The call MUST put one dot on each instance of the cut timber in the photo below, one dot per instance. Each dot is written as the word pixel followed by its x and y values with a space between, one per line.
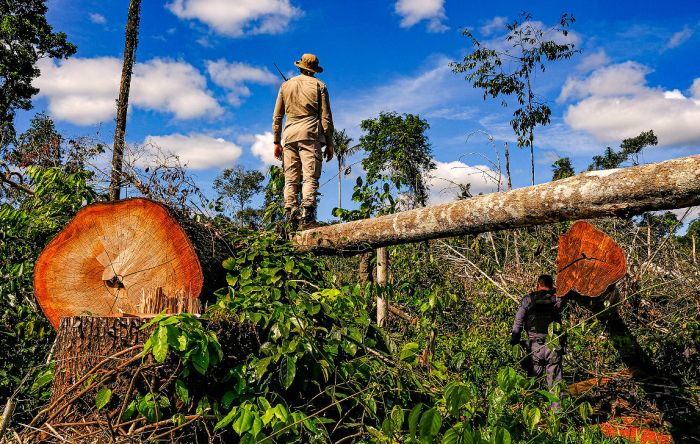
pixel 658 186
pixel 588 262
pixel 582 387
pixel 130 257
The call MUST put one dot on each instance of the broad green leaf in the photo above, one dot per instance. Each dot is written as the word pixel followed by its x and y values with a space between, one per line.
pixel 430 423
pixel 288 369
pixel 397 417
pixel 457 395
pixel 532 417
pixel 160 344
pixel 409 351
pixel 501 436
pixel 226 420
pixel 413 419
pixel 42 380
pixel 129 411
pixel 103 397
pixel 244 422
pixel 227 399
pixel 200 360
pixel 181 390
pixel 229 264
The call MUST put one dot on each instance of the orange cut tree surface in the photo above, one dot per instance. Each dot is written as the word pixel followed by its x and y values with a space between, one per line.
pixel 111 255
pixel 588 262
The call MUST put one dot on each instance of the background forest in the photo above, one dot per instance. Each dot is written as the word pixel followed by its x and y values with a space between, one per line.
pixel 439 370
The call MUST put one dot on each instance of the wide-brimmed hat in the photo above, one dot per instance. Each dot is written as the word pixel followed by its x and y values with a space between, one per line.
pixel 309 62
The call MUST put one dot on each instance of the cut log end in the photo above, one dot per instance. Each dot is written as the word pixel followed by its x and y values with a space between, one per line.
pixel 129 257
pixel 588 262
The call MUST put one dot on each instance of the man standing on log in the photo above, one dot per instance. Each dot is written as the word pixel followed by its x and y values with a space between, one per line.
pixel 308 127
pixel 537 311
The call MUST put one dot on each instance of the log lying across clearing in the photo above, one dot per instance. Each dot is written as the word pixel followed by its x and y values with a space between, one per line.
pixel 659 186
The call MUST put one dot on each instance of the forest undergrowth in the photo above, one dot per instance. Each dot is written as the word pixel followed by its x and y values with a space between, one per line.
pixel 322 371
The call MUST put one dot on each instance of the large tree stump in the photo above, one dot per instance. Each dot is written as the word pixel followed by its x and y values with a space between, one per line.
pixel 94 354
pixel 130 257
pixel 85 342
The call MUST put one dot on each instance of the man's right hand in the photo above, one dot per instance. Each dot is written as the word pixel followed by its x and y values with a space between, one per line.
pixel 278 151
pixel 514 338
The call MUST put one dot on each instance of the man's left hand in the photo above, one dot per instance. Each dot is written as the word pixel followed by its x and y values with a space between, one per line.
pixel 329 153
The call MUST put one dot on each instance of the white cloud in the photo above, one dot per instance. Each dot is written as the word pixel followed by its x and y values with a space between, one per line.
pixel 83 91
pixel 263 149
pixel 679 38
pixel 617 80
pixel 494 24
pixel 695 88
pixel 176 87
pixel 234 76
pixel 197 151
pixel 414 11
pixel 593 61
pixel 445 179
pixel 97 18
pixel 237 18
pixel 424 94
pixel 616 103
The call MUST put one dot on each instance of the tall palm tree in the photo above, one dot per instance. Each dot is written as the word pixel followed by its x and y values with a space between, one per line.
pixel 343 150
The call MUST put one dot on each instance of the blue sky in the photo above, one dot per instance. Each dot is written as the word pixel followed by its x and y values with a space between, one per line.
pixel 205 84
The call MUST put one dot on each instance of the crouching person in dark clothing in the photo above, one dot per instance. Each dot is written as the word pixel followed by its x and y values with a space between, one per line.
pixel 537 311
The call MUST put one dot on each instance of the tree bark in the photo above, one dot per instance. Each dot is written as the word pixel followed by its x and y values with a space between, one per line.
pixel 99 353
pixel 621 192
pixel 382 274
pixel 131 41
pixel 510 185
pixel 340 177
pixel 129 257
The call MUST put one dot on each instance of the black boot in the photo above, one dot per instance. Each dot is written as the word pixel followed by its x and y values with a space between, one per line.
pixel 292 218
pixel 308 218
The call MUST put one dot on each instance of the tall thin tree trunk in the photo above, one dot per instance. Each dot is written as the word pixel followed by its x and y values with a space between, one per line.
pixel 382 274
pixel 340 196
pixel 532 128
pixel 131 41
pixel 695 258
pixel 510 185
pixel 532 161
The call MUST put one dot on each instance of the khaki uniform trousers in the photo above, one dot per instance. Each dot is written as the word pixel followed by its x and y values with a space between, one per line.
pixel 302 160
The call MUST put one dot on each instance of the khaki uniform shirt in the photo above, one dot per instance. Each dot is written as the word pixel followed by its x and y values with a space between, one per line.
pixel 304 99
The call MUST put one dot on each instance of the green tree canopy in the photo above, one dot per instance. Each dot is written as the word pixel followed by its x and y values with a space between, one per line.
pixel 25 37
pixel 511 71
pixel 629 150
pixel 399 152
pixel 236 187
pixel 561 169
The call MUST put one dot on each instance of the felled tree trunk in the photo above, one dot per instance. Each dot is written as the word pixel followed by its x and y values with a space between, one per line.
pixel 626 191
pixel 133 257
